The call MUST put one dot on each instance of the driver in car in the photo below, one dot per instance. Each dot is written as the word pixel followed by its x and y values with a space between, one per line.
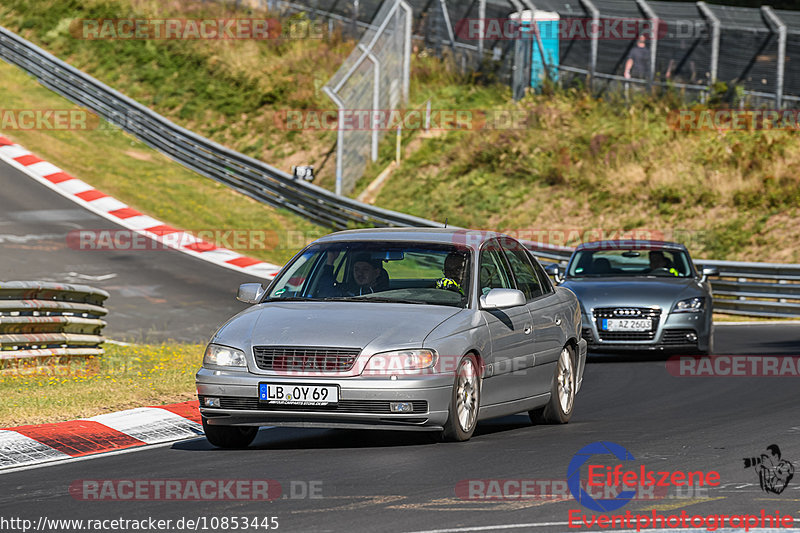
pixel 659 262
pixel 368 277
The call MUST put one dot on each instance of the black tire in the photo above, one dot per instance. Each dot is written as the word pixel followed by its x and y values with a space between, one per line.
pixel 465 401
pixel 562 392
pixel 230 437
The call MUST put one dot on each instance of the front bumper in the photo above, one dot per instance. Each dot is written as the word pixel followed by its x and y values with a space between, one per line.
pixel 679 332
pixel 363 402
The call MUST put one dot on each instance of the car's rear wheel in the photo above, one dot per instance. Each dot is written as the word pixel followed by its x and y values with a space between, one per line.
pixel 562 394
pixel 465 402
pixel 229 436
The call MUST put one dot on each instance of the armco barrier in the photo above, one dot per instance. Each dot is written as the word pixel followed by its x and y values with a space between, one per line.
pixel 40 319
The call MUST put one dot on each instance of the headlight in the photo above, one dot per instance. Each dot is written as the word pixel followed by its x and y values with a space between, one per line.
pixel 692 305
pixel 217 355
pixel 400 361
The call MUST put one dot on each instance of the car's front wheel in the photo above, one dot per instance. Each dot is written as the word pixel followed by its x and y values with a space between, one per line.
pixel 465 401
pixel 562 394
pixel 229 436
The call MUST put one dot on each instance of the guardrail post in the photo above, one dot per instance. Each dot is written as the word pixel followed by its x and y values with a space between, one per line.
pixel 590 7
pixel 713 21
pixel 776 24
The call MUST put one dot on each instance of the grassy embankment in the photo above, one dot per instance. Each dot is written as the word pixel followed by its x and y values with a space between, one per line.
pixel 125 377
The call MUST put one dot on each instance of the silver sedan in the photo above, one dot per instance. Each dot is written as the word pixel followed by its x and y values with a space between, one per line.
pixel 416 329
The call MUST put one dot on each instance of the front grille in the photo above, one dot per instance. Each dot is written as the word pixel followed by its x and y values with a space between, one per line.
pixel 305 358
pixel 627 312
pixel 677 336
pixel 586 334
pixel 380 407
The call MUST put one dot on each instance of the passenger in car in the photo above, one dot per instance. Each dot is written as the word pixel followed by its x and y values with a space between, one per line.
pixel 453 271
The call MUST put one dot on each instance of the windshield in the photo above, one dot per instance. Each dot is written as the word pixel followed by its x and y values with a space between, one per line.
pixel 377 272
pixel 630 262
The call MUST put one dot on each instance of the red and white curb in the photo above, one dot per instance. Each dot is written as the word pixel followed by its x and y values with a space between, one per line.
pixel 100 203
pixel 30 445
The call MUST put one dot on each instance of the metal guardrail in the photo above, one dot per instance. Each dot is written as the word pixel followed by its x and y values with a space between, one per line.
pixel 247 175
pixel 769 290
pixel 40 319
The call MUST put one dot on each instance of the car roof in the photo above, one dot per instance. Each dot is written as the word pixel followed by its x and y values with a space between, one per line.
pixel 458 236
pixel 623 244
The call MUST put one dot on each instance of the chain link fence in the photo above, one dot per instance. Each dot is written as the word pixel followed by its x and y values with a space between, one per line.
pixel 692 45
pixel 371 82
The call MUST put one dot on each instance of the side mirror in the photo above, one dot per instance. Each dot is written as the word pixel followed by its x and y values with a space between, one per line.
pixel 250 293
pixel 709 271
pixel 501 298
pixel 554 269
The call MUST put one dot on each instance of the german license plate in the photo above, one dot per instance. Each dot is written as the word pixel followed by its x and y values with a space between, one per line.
pixel 291 394
pixel 627 324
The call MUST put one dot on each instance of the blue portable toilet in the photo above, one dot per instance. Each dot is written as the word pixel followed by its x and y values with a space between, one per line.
pixel 548 22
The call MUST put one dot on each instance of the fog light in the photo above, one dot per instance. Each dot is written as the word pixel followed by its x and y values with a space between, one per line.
pixel 211 402
pixel 401 407
pixel 691 337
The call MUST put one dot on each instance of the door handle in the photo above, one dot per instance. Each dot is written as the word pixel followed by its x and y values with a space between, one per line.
pixel 528 329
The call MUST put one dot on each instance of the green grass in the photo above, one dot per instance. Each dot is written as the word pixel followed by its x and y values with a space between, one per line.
pixel 125 377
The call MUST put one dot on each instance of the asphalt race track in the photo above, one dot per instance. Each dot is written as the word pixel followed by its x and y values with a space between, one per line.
pixel 394 481
pixel 156 295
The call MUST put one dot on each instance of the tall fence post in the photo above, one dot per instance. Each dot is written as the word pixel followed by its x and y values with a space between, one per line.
pixel 590 7
pixel 651 16
pixel 713 21
pixel 339 137
pixel 376 99
pixel 446 16
pixel 407 50
pixel 518 69
pixel 482 24
pixel 776 23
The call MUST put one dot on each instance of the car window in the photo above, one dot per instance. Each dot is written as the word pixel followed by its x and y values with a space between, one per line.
pixel 544 279
pixel 402 272
pixel 527 281
pixel 608 262
pixel 492 271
